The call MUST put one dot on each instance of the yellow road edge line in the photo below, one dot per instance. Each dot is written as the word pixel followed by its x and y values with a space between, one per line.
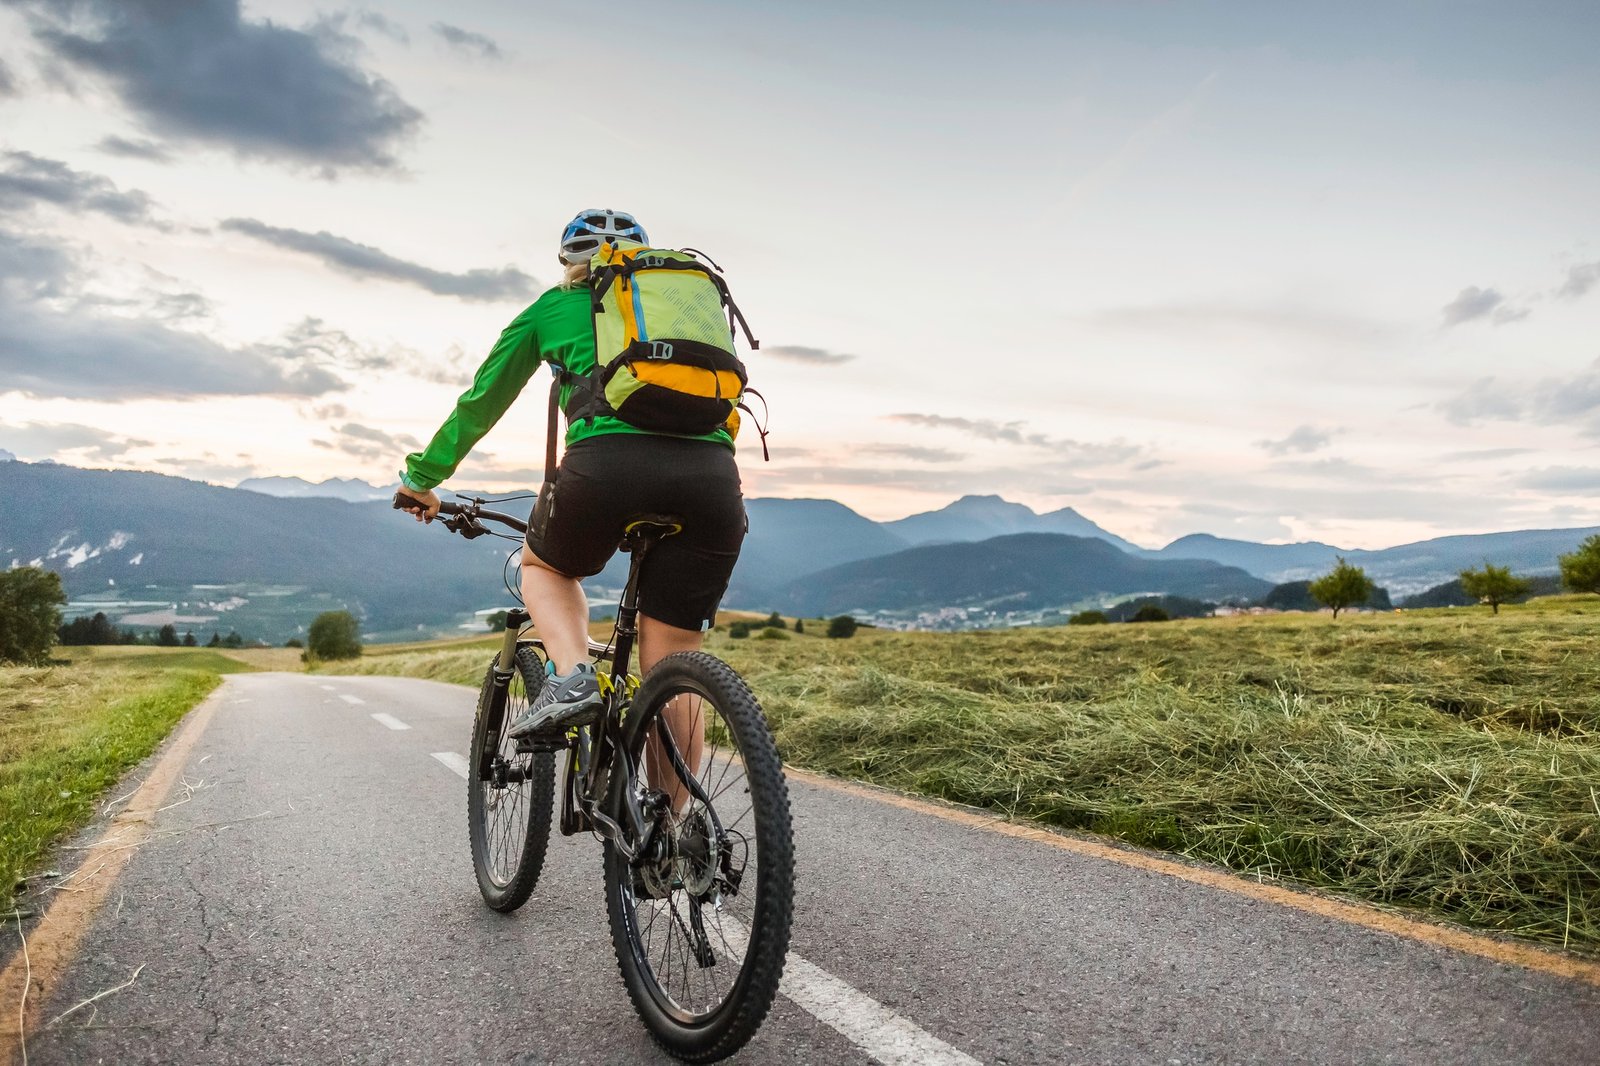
pixel 1368 917
pixel 54 939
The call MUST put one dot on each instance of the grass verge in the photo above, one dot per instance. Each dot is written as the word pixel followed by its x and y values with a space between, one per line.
pixel 69 732
pixel 1444 761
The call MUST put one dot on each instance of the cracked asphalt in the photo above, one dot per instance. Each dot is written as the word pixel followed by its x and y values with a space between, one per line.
pixel 312 901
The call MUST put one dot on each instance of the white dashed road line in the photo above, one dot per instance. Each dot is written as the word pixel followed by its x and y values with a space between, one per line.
pixel 389 720
pixel 457 763
pixel 351 699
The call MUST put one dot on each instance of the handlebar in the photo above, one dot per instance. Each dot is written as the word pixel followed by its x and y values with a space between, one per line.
pixel 465 519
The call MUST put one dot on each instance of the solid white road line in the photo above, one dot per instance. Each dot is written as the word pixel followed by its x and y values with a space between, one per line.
pixel 389 720
pixel 860 1019
pixel 351 699
pixel 457 763
pixel 872 1027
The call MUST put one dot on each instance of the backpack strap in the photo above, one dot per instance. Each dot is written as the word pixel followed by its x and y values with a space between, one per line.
pixel 550 432
pixel 761 428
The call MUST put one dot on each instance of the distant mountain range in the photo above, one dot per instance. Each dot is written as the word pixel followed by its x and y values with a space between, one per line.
pixel 337 488
pixel 138 541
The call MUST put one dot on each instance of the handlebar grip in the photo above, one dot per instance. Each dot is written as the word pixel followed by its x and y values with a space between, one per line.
pixel 404 502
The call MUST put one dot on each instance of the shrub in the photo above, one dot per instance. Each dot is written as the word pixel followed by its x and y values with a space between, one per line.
pixel 30 613
pixel 738 630
pixel 1150 613
pixel 334 635
pixel 771 633
pixel 1581 569
pixel 799 625
pixel 294 642
pixel 842 626
pixel 1343 586
pixel 1088 618
pixel 775 621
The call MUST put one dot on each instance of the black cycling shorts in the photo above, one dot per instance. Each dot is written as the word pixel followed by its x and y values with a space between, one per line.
pixel 605 482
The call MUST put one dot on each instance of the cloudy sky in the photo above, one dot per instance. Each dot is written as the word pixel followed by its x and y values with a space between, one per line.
pixel 1262 270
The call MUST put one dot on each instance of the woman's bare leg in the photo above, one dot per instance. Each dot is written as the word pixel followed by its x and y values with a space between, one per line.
pixel 657 640
pixel 559 610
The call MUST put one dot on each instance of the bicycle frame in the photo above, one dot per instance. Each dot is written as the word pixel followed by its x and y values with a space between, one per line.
pixel 594 749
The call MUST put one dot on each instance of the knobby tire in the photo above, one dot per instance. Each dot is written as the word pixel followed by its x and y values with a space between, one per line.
pixel 509 827
pixel 658 978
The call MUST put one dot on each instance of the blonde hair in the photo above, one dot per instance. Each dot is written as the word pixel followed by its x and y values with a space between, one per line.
pixel 575 276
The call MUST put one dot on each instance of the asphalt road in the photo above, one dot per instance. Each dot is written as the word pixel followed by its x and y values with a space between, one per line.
pixel 311 900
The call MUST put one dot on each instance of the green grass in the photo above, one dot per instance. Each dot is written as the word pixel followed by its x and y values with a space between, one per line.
pixel 1447 760
pixel 68 732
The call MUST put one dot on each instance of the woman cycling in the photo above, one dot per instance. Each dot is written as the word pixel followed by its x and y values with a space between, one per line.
pixel 611 473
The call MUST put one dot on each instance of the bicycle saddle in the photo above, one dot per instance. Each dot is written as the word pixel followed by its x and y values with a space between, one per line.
pixel 653 526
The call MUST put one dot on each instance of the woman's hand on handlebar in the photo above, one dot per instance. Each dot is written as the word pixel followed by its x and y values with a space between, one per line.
pixel 424 505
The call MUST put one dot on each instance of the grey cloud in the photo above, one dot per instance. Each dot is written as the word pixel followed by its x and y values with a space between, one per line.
pixel 467 41
pixel 1483 454
pixel 365 442
pixel 51 346
pixel 1580 279
pixel 47 440
pixel 362 260
pixel 391 29
pixel 987 429
pixel 799 353
pixel 27 179
pixel 1473 303
pixel 1300 440
pixel 1570 398
pixel 130 148
pixel 200 72
pixel 1065 452
pixel 911 451
pixel 8 82
pixel 1567 480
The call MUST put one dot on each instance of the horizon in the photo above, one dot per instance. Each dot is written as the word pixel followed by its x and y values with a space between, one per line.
pixel 1305 275
pixel 526 491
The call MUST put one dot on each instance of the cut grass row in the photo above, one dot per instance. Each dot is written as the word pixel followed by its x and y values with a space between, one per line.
pixel 1445 761
pixel 69 732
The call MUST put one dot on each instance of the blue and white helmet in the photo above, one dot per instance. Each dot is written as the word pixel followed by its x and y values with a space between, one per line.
pixel 584 234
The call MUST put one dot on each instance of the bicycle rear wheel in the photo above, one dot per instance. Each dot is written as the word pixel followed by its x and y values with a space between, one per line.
pixel 509 793
pixel 701 923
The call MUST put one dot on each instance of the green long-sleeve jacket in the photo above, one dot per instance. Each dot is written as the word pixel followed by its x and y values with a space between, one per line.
pixel 556 329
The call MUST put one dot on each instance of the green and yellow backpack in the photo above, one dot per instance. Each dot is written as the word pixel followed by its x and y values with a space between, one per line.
pixel 664 341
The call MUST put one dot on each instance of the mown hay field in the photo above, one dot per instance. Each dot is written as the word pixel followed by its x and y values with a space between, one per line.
pixel 1447 761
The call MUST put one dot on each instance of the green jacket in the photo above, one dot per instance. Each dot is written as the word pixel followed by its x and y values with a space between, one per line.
pixel 556 329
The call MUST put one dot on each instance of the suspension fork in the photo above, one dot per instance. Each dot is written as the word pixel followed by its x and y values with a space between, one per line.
pixel 505 666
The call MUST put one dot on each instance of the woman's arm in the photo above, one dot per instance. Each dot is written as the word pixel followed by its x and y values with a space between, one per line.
pixel 511 362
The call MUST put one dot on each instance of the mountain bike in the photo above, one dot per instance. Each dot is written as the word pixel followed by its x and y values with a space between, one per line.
pixel 681 781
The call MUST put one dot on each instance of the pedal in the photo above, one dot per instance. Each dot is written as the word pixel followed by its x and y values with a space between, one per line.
pixel 537 745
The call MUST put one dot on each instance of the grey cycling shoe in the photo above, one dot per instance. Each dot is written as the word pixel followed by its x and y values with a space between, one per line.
pixel 565 700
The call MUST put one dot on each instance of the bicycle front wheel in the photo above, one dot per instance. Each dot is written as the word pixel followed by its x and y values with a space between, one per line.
pixel 700 922
pixel 509 792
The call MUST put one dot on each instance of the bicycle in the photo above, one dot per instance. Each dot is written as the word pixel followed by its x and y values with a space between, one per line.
pixel 695 882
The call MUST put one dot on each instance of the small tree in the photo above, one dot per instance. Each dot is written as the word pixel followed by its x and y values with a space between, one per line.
pixel 294 642
pixel 775 621
pixel 168 636
pixel 1343 586
pixel 1580 571
pixel 1150 613
pixel 799 625
pixel 496 619
pixel 215 641
pixel 189 641
pixel 842 626
pixel 30 614
pixel 334 635
pixel 1494 585
pixel 1088 618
